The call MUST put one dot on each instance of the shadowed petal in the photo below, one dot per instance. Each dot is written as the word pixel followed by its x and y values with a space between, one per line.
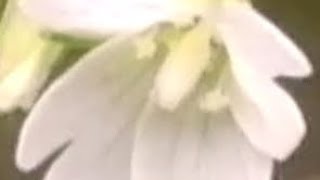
pixel 94 156
pixel 189 144
pixel 96 90
pixel 167 144
pixel 267 114
pixel 228 153
pixel 254 40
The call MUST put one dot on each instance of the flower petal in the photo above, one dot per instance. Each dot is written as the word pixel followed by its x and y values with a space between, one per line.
pixel 268 115
pixel 93 18
pixel 228 153
pixel 253 39
pixel 189 144
pixel 95 156
pixel 167 144
pixel 95 90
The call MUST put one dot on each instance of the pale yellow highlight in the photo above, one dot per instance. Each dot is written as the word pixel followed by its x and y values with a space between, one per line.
pixel 23 67
pixel 183 67
pixel 18 40
pixel 20 85
pixel 146 45
pixel 197 4
pixel 214 101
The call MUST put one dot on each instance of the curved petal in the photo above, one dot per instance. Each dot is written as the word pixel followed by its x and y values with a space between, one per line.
pixel 254 40
pixel 189 144
pixel 95 90
pixel 228 153
pixel 167 144
pixel 94 156
pixel 268 115
pixel 93 18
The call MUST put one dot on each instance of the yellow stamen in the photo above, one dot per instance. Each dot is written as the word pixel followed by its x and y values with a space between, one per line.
pixel 183 67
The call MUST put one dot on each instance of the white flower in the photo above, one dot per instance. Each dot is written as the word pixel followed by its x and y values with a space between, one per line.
pixel 173 116
pixel 23 67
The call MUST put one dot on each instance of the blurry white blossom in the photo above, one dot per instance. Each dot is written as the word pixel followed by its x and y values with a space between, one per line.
pixel 24 59
pixel 201 104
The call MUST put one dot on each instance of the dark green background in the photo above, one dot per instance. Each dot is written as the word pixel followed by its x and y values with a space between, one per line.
pixel 300 19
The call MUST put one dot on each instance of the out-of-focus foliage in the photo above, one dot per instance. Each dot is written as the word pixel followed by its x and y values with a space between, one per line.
pixel 2 5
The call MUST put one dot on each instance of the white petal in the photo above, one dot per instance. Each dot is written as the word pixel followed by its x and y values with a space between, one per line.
pixel 92 18
pixel 189 144
pixel 228 153
pixel 94 156
pixel 254 40
pixel 167 144
pixel 268 115
pixel 108 85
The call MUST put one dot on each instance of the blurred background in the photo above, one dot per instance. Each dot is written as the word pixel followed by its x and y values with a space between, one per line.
pixel 300 20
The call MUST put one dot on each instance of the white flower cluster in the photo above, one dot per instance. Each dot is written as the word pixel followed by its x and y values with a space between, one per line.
pixel 180 89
